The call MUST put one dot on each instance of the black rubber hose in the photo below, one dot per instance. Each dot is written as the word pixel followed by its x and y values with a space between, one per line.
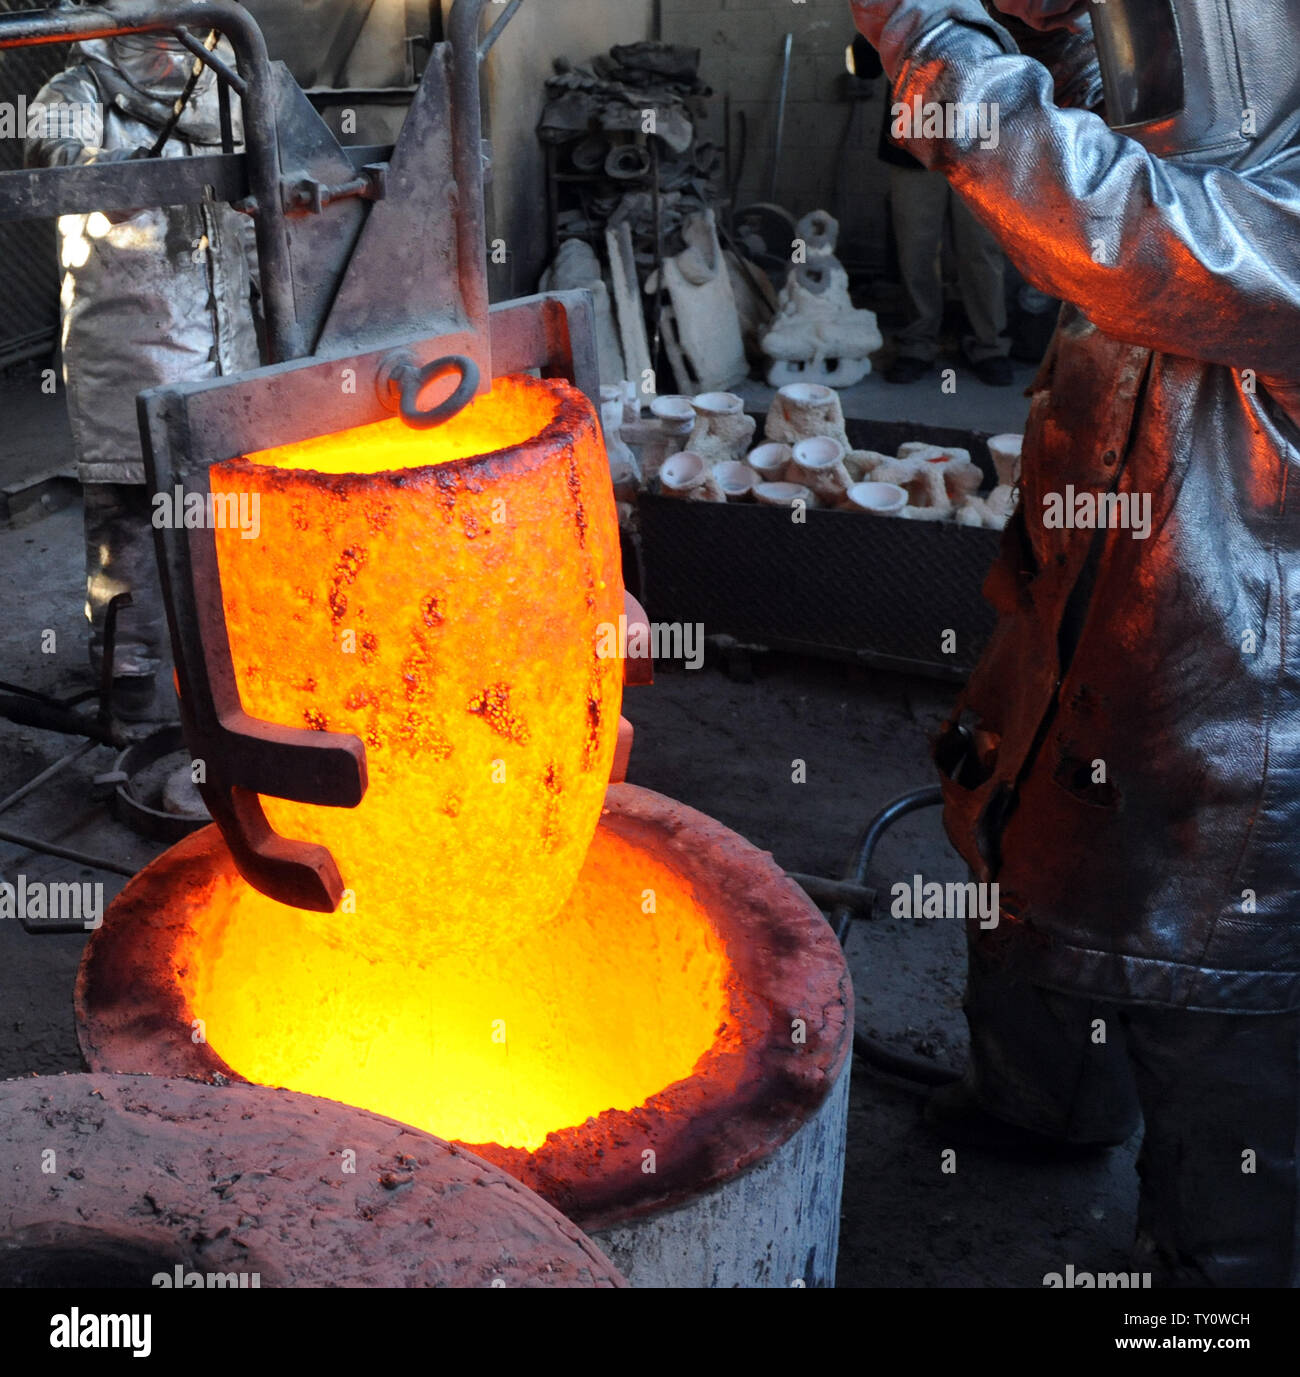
pixel 872 1050
pixel 842 918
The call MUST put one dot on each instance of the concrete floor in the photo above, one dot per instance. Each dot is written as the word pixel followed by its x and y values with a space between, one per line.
pixel 724 747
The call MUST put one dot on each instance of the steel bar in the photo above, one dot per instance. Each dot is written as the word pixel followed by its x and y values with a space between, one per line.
pixel 858 899
pixel 930 797
pixel 210 59
pixel 64 853
pixel 39 193
pixel 467 161
pixel 48 773
pixel 497 29
pixel 31 712
pixel 780 116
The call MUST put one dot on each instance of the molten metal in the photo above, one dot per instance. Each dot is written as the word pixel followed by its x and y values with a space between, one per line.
pixel 539 1030
pixel 439 594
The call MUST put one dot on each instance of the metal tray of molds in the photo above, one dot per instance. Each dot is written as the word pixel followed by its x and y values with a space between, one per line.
pixel 843 585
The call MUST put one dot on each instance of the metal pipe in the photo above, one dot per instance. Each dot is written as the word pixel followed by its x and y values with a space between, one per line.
pixel 467 160
pixel 64 853
pixel 262 150
pixel 48 773
pixel 497 29
pixel 210 59
pixel 780 115
pixel 865 849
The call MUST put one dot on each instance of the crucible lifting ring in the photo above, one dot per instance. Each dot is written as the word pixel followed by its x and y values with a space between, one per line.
pixel 401 381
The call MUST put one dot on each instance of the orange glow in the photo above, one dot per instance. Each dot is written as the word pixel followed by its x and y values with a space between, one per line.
pixel 438 594
pixel 602 1009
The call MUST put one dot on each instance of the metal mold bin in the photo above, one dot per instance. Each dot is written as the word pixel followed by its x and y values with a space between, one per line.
pixel 842 585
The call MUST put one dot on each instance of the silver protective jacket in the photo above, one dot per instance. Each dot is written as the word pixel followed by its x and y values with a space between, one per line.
pixel 1125 761
pixel 161 295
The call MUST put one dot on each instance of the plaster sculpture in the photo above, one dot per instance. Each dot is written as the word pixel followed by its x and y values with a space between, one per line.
pixel 722 430
pixel 690 476
pixel 817 335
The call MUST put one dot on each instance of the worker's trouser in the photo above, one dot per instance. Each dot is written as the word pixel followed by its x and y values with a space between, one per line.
pixel 920 203
pixel 120 558
pixel 1220 1095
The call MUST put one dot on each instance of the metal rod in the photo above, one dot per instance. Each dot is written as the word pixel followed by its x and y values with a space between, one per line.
pixel 780 115
pixel 67 24
pixel 65 853
pixel 833 893
pixel 31 712
pixel 467 160
pixel 115 605
pixel 497 29
pixel 48 773
pixel 209 59
pixel 656 210
pixel 183 100
pixel 873 1050
pixel 38 193
pixel 224 119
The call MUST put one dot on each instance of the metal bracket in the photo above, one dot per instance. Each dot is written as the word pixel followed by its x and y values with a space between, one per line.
pixel 308 193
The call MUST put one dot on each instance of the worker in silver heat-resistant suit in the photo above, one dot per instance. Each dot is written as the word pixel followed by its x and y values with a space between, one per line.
pixel 1125 761
pixel 153 296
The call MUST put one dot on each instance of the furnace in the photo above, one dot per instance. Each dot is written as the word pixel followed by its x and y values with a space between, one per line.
pixel 423 896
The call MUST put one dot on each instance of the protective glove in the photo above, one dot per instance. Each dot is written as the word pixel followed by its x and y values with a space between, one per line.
pixel 100 156
pixel 1049 14
pixel 893 27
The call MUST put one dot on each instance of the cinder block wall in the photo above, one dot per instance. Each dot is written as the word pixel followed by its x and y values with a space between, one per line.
pixel 742 42
pixel 516 71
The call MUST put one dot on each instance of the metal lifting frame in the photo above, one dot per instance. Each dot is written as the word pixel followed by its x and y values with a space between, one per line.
pixel 375 266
